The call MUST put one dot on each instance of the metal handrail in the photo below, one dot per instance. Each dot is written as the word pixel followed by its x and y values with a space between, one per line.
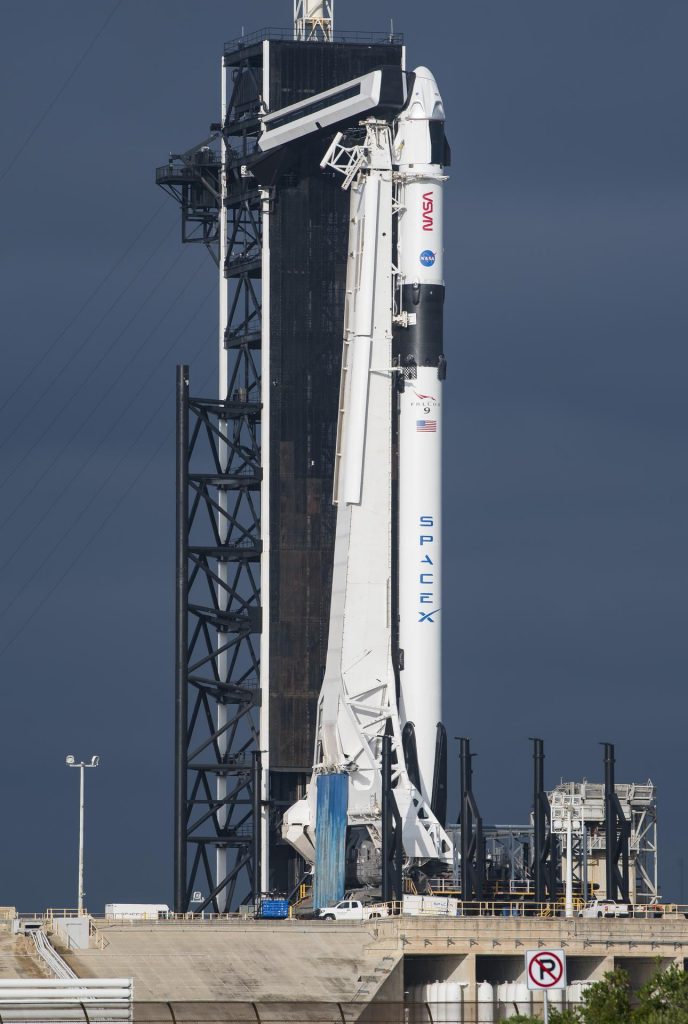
pixel 50 957
pixel 287 35
pixel 53 912
pixel 482 908
pixel 519 908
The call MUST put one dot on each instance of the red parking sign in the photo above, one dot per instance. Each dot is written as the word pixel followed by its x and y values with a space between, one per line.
pixel 546 969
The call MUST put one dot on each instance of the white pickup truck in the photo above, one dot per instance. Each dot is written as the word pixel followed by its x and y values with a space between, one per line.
pixel 352 910
pixel 605 908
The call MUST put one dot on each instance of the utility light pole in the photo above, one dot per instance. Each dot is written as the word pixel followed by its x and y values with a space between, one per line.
pixel 568 819
pixel 72 762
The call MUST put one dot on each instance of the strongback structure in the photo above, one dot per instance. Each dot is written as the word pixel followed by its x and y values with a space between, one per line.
pixel 255 521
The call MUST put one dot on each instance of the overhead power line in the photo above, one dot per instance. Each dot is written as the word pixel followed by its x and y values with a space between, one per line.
pixel 67 484
pixel 31 618
pixel 29 412
pixel 43 355
pixel 60 91
pixel 86 508
pixel 51 384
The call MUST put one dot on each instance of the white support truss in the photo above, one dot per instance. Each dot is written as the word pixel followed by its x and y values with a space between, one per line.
pixel 314 20
pixel 358 703
pixel 585 801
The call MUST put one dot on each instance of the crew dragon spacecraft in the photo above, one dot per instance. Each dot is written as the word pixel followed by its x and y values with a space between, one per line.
pixel 383 673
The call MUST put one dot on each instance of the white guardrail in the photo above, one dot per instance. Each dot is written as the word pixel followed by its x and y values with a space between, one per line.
pixel 50 957
pixel 66 999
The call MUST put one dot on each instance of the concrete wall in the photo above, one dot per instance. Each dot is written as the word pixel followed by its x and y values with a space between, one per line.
pixel 364 962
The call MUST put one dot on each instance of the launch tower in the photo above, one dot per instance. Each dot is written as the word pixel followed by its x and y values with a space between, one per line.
pixel 255 466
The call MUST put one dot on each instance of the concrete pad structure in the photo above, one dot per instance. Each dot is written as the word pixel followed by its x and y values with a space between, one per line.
pixel 346 960
pixel 232 960
pixel 232 969
pixel 472 950
pixel 18 956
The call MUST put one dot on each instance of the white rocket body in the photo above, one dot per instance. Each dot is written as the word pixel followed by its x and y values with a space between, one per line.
pixel 418 347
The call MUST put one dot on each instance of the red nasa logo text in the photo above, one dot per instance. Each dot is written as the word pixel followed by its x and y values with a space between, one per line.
pixel 428 207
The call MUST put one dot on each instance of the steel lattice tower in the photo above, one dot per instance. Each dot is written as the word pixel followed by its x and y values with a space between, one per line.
pixel 255 524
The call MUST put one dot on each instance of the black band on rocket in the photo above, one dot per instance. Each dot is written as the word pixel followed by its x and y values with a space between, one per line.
pixel 423 340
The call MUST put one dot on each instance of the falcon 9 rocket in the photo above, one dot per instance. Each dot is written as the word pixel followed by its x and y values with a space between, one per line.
pixel 419 149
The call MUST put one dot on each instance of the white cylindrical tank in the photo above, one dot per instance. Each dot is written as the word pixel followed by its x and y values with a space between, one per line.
pixel 556 997
pixel 485 1003
pixel 441 1015
pixel 523 998
pixel 454 1003
pixel 574 991
pixel 506 997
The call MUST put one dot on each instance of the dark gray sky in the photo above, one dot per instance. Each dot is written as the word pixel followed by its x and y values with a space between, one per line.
pixel 567 561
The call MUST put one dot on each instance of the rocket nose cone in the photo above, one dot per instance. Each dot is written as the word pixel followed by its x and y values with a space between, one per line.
pixel 425 101
pixel 422 72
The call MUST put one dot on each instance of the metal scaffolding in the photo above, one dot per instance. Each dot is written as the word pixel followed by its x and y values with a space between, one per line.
pixel 218 617
pixel 585 801
pixel 219 541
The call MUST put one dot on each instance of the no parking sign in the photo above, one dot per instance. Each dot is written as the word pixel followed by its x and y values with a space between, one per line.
pixel 546 969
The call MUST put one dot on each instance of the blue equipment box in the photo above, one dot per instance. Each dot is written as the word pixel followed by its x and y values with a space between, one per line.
pixel 274 908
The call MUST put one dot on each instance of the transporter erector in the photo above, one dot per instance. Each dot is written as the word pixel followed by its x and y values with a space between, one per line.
pixel 383 673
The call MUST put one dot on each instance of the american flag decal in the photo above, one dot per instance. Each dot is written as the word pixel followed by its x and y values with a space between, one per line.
pixel 426 426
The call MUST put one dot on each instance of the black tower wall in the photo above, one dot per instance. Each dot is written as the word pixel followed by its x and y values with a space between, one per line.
pixel 308 250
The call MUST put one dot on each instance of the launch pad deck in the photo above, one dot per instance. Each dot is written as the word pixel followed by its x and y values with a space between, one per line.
pixel 232 960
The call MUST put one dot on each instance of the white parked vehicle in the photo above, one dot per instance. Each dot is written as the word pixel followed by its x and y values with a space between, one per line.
pixel 136 911
pixel 352 910
pixel 418 906
pixel 605 908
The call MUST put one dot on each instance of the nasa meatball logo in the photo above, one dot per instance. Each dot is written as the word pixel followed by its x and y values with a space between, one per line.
pixel 427 258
